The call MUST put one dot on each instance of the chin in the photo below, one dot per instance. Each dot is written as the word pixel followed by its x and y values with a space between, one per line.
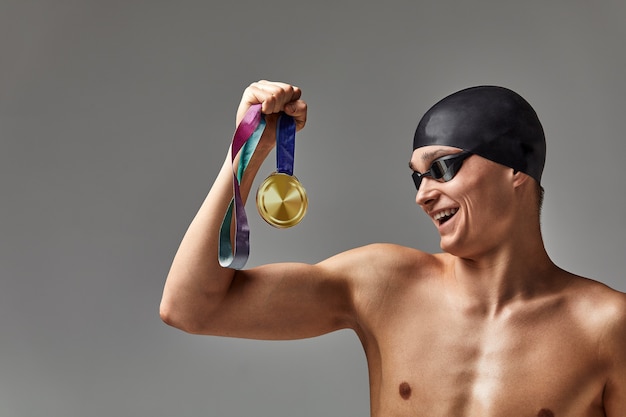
pixel 455 248
pixel 448 248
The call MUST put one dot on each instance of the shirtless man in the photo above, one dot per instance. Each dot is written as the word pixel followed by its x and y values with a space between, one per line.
pixel 489 327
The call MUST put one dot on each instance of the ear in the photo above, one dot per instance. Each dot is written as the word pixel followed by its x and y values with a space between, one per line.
pixel 519 178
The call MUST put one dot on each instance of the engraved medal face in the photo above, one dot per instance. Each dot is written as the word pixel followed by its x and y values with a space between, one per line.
pixel 281 200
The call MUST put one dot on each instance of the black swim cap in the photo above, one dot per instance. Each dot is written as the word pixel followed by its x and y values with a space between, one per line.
pixel 493 122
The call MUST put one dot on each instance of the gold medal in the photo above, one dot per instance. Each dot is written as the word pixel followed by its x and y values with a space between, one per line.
pixel 281 200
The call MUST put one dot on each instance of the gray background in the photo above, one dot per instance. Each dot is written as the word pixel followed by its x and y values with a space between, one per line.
pixel 115 117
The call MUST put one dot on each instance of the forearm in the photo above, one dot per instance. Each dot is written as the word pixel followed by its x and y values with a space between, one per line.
pixel 196 281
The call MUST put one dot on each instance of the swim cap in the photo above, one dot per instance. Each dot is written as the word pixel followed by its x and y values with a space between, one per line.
pixel 493 122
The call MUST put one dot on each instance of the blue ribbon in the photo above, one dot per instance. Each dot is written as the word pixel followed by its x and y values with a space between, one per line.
pixel 285 144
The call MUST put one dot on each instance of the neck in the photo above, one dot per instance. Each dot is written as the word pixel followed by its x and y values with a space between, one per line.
pixel 514 271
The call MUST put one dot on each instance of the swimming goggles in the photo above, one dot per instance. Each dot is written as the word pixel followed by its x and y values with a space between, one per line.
pixel 444 168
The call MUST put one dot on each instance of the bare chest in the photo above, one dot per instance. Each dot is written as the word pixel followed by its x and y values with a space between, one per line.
pixel 448 365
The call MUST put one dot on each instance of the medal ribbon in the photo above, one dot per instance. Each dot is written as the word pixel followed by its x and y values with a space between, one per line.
pixel 285 144
pixel 245 139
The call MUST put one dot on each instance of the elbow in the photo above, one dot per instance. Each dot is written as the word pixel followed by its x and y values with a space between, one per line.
pixel 166 314
pixel 179 318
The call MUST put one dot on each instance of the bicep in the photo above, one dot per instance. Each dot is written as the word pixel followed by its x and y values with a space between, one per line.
pixel 282 301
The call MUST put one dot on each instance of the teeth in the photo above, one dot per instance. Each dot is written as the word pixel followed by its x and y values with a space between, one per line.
pixel 444 213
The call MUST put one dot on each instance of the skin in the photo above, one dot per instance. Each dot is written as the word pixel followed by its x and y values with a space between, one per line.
pixel 489 327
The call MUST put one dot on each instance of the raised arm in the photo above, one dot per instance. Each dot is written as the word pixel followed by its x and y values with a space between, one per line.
pixel 274 301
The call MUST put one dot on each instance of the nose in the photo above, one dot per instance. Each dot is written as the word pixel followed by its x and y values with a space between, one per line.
pixel 427 193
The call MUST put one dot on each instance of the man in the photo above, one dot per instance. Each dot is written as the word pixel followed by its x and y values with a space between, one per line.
pixel 489 327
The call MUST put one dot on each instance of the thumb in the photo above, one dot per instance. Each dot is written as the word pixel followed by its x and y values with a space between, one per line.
pixel 298 110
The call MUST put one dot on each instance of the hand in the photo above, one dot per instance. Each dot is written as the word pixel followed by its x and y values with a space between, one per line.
pixel 274 97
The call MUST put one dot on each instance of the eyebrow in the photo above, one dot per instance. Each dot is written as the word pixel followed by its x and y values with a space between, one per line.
pixel 431 156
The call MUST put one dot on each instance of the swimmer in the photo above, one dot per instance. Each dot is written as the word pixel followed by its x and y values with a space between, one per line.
pixel 488 327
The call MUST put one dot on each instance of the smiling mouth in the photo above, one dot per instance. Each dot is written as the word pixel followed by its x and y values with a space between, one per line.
pixel 444 215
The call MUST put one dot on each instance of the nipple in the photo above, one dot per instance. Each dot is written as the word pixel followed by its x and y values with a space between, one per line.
pixel 405 392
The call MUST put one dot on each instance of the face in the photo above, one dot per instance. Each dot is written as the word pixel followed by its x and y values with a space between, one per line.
pixel 471 206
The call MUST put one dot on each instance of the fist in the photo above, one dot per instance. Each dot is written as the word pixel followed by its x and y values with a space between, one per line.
pixel 274 97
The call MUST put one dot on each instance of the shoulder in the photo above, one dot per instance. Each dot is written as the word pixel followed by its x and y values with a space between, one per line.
pixel 382 258
pixel 380 275
pixel 597 296
pixel 602 310
pixel 613 311
pixel 596 299
pixel 608 314
pixel 384 270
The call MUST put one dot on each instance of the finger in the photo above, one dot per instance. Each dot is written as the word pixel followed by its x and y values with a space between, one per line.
pixel 277 95
pixel 298 110
pixel 251 95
